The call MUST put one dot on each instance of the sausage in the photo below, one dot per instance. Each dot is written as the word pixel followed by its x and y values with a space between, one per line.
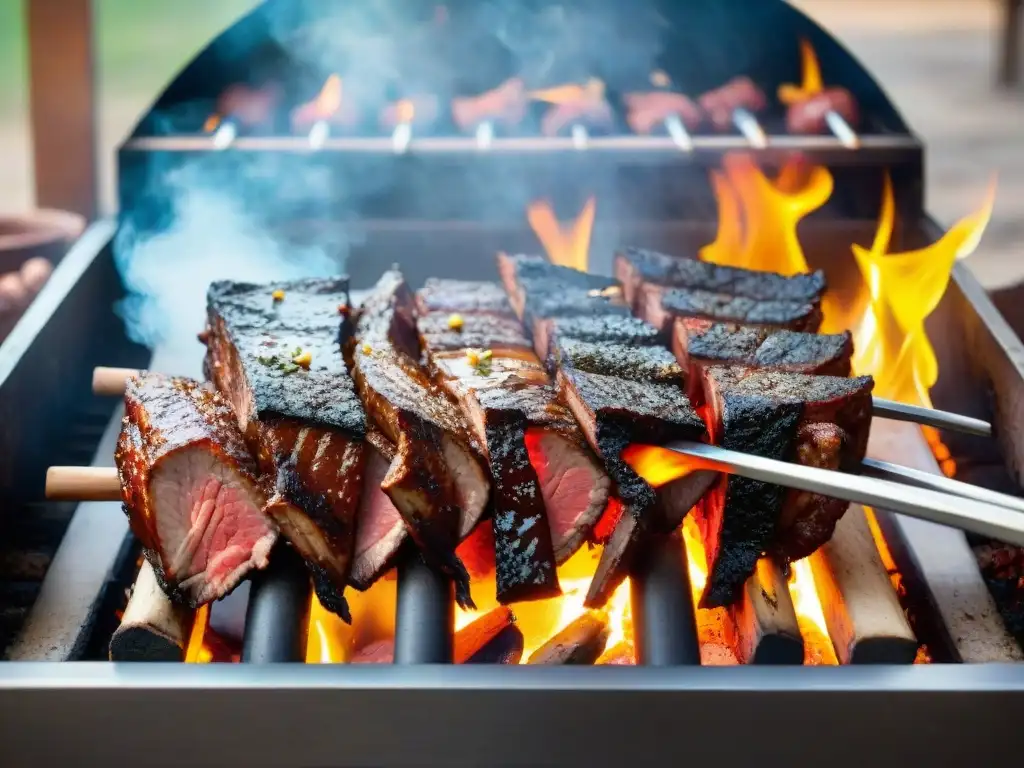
pixel 34 274
pixel 647 111
pixel 14 295
pixel 808 116
pixel 590 112
pixel 738 92
pixel 248 106
pixel 505 105
pixel 423 109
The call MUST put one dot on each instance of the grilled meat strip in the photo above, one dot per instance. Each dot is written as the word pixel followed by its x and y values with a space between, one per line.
pixel 302 420
pixel 660 306
pixel 620 329
pixel 637 266
pixel 699 343
pixel 190 489
pixel 615 411
pixel 573 487
pixel 497 413
pixel 380 529
pixel 655 364
pixel 820 421
pixel 526 275
pixel 435 480
pixel 461 296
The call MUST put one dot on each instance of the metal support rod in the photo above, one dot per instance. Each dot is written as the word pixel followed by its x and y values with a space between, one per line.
pixel 664 622
pixel 425 613
pixel 891 409
pixel 62 93
pixel 276 619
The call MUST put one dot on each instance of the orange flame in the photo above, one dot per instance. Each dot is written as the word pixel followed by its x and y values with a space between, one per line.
pixel 539 620
pixel 324 644
pixel 790 94
pixel 568 248
pixel 212 123
pixel 904 288
pixel 592 90
pixel 196 652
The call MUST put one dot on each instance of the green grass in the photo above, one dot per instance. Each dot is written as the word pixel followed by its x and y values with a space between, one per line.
pixel 140 44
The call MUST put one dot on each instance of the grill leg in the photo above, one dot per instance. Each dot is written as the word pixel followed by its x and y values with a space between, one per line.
pixel 425 614
pixel 664 622
pixel 276 619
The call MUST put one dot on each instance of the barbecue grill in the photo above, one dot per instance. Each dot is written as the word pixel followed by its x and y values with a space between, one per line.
pixel 440 202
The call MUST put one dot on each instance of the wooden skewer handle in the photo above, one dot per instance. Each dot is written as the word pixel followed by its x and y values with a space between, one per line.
pixel 109 382
pixel 83 484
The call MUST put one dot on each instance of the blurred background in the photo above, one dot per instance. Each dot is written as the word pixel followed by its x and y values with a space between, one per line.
pixel 937 58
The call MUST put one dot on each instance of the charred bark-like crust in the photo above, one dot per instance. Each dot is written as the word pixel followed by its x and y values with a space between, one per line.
pixel 831 432
pixel 462 296
pixel 673 272
pixel 649 364
pixel 305 424
pixel 266 332
pixel 545 301
pixel 739 532
pixel 165 415
pixel 622 329
pixel 706 343
pixel 473 331
pixel 530 267
pixel 523 553
pixel 797 315
pixel 647 412
pixel 414 414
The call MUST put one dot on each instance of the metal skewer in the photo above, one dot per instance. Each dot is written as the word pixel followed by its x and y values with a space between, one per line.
pixel 929 417
pixel 842 130
pixel 319 134
pixel 225 134
pixel 978 517
pixel 401 137
pixel 747 124
pixel 580 137
pixel 681 136
pixel 897 473
pixel 484 134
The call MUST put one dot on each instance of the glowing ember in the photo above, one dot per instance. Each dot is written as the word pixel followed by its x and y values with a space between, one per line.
pixel 211 124
pixel 569 247
pixel 539 620
pixel 891 342
pixel 812 84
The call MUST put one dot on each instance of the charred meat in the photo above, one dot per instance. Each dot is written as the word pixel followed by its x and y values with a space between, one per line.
pixel 698 344
pixel 190 488
pixel 509 399
pixel 380 529
pixel 820 421
pixel 524 274
pixel 654 364
pixel 636 266
pixel 616 328
pixel 274 350
pixel 462 296
pixel 435 480
pixel 660 306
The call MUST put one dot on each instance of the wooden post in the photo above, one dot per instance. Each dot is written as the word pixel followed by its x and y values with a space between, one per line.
pixel 1010 44
pixel 62 104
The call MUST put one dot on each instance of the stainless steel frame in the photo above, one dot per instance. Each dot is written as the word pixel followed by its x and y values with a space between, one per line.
pixel 372 715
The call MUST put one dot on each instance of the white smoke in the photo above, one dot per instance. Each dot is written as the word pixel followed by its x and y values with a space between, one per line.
pixel 211 237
